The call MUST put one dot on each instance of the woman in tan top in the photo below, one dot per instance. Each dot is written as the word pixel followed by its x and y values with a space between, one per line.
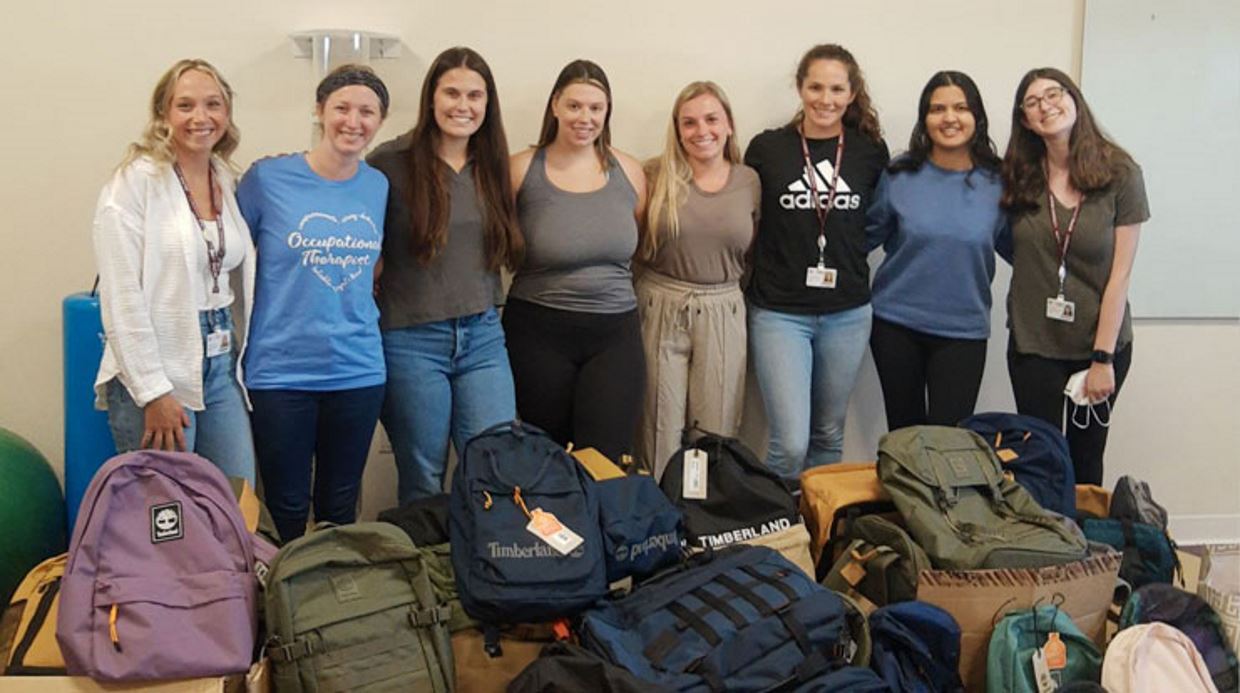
pixel 703 208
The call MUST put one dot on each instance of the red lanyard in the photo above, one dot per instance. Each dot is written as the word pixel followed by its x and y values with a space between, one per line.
pixel 812 173
pixel 215 258
pixel 1062 240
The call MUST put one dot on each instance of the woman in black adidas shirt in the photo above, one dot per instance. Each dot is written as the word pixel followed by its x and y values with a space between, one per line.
pixel 809 318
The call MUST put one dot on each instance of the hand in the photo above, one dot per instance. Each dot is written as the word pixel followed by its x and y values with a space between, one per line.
pixel 166 422
pixel 1100 381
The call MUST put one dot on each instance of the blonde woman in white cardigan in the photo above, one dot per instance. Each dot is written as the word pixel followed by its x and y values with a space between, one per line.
pixel 175 263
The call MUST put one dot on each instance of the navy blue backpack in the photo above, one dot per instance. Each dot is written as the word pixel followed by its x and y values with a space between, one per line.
pixel 1035 452
pixel 915 647
pixel 742 618
pixel 505 574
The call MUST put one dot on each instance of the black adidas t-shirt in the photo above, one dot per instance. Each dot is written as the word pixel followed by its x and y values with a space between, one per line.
pixel 787 241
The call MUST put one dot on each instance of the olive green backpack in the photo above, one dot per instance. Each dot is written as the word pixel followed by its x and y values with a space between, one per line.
pixel 960 507
pixel 881 563
pixel 352 608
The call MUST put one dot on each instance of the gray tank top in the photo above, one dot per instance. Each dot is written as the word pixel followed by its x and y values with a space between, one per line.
pixel 578 245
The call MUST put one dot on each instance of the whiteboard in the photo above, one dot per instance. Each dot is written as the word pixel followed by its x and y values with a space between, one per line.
pixel 1163 78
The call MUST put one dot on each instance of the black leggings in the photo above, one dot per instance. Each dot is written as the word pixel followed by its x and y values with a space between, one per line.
pixel 915 367
pixel 578 376
pixel 1038 384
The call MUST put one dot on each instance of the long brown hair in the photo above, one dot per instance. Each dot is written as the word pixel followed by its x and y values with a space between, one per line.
pixel 669 174
pixel 428 198
pixel 579 71
pixel 860 113
pixel 1094 161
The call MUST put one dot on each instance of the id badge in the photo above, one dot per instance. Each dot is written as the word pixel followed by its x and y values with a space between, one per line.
pixel 1060 309
pixel 820 277
pixel 219 342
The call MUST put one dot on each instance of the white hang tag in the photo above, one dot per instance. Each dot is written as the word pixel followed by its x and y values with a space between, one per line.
pixel 1060 309
pixel 219 342
pixel 820 277
pixel 1042 673
pixel 694 483
pixel 548 528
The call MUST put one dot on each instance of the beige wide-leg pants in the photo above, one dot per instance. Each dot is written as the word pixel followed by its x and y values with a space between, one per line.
pixel 694 337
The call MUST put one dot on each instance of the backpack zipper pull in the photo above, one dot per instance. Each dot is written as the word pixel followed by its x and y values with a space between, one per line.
pixel 116 638
pixel 516 498
pixel 486 501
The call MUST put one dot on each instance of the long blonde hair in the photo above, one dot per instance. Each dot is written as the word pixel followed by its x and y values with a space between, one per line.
pixel 156 140
pixel 670 173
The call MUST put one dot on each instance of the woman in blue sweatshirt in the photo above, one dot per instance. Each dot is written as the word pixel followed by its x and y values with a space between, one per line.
pixel 936 214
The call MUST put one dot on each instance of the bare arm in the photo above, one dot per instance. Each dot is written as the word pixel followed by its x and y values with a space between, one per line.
pixel 637 178
pixel 1100 382
pixel 518 166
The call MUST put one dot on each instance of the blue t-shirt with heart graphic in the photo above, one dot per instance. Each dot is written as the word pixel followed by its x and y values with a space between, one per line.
pixel 315 324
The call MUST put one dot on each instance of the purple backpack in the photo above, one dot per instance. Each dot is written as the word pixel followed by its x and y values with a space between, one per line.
pixel 160 580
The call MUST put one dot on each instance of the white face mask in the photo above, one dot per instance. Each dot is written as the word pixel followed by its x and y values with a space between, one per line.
pixel 1082 406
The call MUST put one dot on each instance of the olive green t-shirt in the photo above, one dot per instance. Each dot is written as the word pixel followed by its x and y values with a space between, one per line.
pixel 716 229
pixel 1035 267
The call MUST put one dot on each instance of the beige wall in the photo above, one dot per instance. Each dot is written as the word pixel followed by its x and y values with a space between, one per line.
pixel 77 76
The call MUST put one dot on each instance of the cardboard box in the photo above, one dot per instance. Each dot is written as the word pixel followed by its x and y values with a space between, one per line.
pixel 979 598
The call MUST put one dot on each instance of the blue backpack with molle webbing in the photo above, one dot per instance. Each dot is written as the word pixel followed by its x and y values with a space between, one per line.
pixel 505 573
pixel 742 618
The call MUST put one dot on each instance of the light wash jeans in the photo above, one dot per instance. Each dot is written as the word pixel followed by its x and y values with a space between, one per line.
pixel 447 380
pixel 806 366
pixel 220 432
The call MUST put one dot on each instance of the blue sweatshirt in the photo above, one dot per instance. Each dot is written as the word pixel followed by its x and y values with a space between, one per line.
pixel 939 229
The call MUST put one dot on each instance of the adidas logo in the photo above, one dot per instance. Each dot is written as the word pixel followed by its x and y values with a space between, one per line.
pixel 800 192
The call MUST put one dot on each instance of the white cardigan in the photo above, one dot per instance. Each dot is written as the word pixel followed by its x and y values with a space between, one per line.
pixel 145 236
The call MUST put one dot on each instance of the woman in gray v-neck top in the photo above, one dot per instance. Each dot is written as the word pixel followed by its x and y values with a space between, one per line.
pixel 573 335
pixel 450 227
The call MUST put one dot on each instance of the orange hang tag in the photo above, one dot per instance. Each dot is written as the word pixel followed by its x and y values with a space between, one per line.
pixel 549 529
pixel 853 572
pixel 1006 455
pixel 1055 652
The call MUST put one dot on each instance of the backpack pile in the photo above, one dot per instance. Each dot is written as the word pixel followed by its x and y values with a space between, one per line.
pixel 962 510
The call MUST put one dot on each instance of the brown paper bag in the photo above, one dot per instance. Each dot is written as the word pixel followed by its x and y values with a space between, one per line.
pixel 478 672
pixel 979 598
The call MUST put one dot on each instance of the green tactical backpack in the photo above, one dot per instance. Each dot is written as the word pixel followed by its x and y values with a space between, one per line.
pixel 351 608
pixel 881 563
pixel 959 506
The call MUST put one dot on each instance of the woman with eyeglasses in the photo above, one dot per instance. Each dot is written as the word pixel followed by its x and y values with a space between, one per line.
pixel 1076 201
pixel 936 214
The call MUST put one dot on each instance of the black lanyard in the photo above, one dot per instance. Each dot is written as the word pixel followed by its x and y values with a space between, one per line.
pixel 215 258
pixel 1062 240
pixel 812 172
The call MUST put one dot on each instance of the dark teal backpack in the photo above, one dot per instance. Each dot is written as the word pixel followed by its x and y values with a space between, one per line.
pixel 1149 554
pixel 1009 662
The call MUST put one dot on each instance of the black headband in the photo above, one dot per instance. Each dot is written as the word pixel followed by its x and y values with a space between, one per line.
pixel 344 78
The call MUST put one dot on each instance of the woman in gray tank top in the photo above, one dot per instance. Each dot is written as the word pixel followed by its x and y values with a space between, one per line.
pixel 574 339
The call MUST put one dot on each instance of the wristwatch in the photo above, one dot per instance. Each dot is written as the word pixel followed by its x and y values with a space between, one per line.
pixel 1100 356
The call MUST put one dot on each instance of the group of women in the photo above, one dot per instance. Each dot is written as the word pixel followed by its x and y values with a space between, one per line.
pixel 268 324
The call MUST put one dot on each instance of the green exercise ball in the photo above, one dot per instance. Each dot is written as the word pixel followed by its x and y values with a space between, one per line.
pixel 32 511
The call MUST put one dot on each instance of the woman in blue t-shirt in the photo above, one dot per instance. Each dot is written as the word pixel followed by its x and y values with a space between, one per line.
pixel 314 360
pixel 936 214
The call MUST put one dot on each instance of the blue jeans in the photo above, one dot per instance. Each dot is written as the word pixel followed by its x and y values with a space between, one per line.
pixel 806 367
pixel 220 432
pixel 321 436
pixel 446 380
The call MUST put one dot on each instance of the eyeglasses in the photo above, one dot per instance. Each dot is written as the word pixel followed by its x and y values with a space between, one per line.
pixel 1052 96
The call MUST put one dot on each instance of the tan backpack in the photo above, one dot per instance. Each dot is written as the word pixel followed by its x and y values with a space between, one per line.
pixel 1154 657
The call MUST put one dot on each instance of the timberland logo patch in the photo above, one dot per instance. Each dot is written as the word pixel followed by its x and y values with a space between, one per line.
pixel 539 550
pixel 800 193
pixel 166 522
pixel 744 534
pixel 345 587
